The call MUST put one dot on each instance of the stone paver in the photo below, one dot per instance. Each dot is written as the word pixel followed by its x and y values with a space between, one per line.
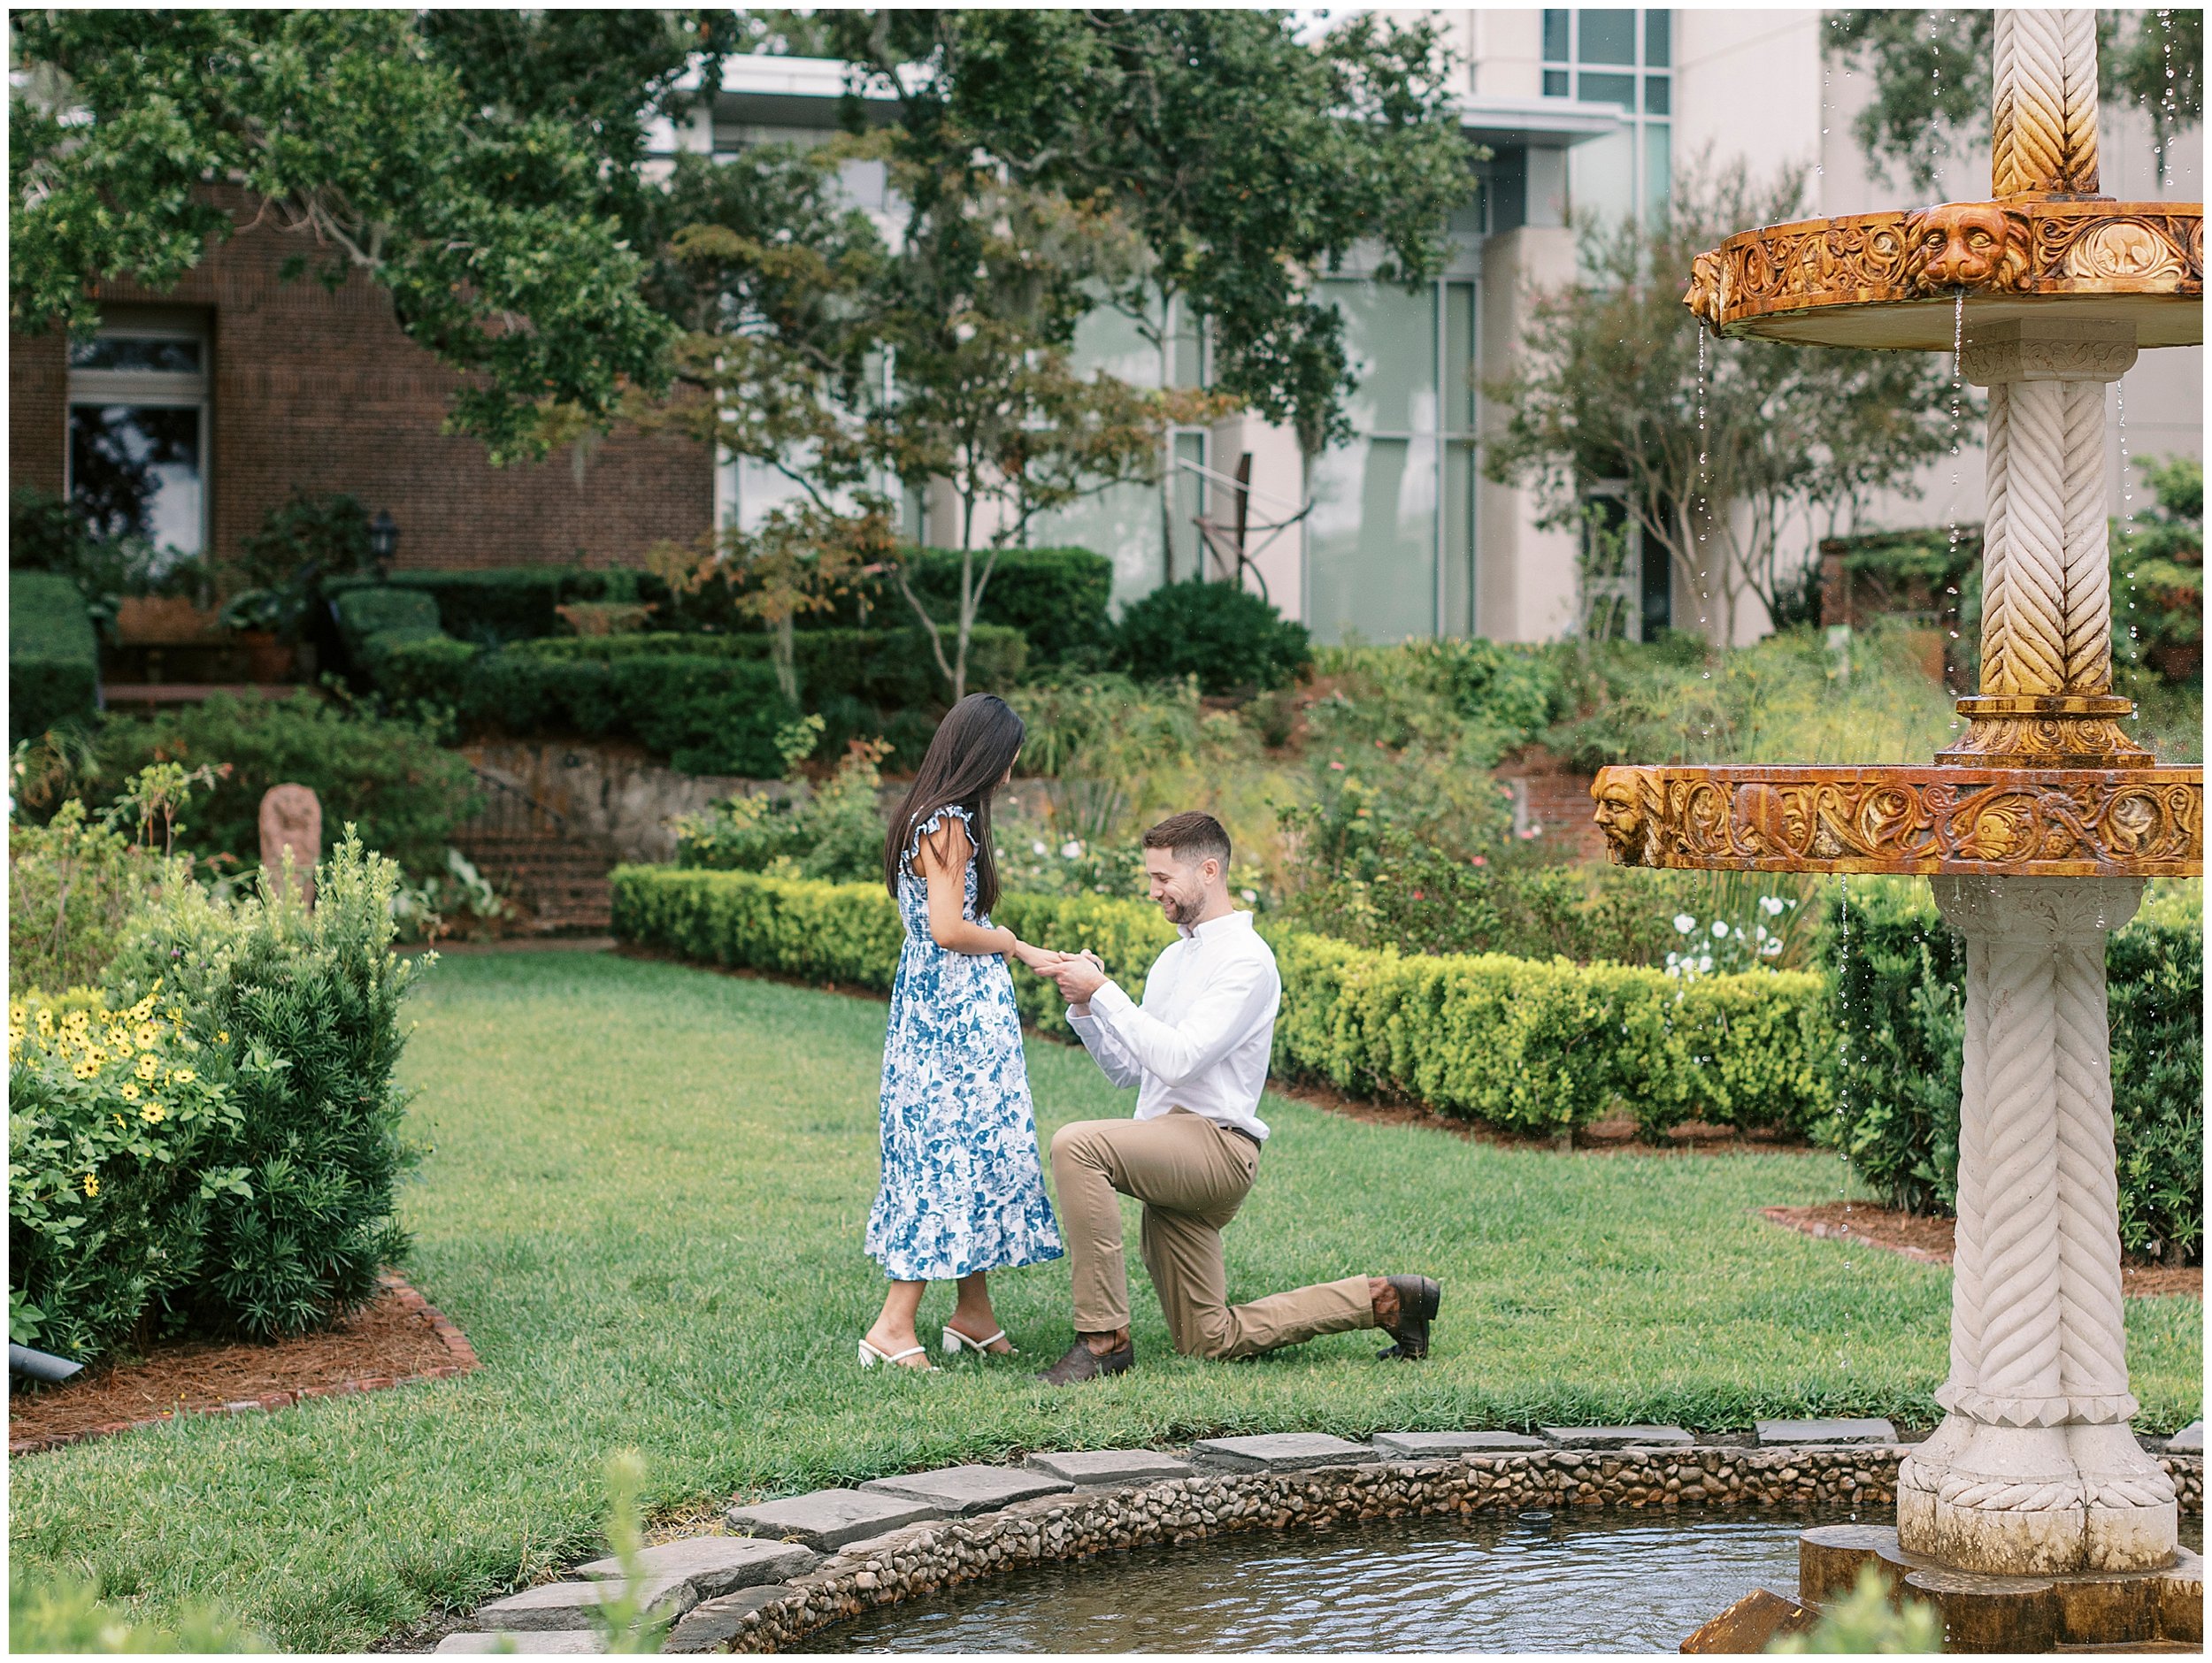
pixel 570 1605
pixel 828 1518
pixel 715 1564
pixel 1825 1431
pixel 1281 1451
pixel 2189 1440
pixel 1088 1467
pixel 1429 1446
pixel 1616 1437
pixel 964 1490
pixel 713 1624
pixel 573 1642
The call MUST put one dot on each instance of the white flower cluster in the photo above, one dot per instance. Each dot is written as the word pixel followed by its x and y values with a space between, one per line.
pixel 1737 951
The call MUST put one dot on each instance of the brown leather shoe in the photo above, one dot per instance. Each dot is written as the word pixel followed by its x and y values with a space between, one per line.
pixel 1083 1363
pixel 1418 1300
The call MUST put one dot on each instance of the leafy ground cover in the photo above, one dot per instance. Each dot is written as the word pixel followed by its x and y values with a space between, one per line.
pixel 642 1200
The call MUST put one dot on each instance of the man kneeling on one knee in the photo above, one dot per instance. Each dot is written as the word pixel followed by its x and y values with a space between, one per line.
pixel 1197 1049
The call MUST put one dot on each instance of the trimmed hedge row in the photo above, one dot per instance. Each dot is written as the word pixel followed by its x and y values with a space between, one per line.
pixel 1901 979
pixel 1535 1047
pixel 53 656
pixel 891 669
pixel 492 607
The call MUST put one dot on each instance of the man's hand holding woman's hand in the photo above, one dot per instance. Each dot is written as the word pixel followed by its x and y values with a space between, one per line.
pixel 1044 960
pixel 1078 975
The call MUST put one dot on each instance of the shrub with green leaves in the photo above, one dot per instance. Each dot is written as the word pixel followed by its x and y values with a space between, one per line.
pixel 53 656
pixel 76 887
pixel 1055 597
pixel 389 777
pixel 51 1614
pixel 1227 637
pixel 834 832
pixel 1534 1047
pixel 111 1115
pixel 493 606
pixel 1900 974
pixel 305 1009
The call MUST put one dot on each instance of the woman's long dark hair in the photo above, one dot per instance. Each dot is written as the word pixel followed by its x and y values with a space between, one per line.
pixel 970 754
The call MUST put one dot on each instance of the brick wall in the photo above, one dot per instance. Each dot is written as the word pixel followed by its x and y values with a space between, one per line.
pixel 1559 803
pixel 320 390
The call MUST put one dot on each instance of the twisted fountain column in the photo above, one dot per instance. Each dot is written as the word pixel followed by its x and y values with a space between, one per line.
pixel 2034 1468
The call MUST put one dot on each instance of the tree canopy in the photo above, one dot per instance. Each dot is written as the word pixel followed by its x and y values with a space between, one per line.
pixel 478 166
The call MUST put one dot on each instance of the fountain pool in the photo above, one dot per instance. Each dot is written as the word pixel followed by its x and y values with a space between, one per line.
pixel 1592 1581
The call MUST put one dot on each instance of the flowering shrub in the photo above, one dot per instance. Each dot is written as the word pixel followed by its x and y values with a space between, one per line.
pixel 111 1112
pixel 834 832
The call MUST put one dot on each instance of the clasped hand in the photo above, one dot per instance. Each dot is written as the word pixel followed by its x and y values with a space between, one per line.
pixel 1077 974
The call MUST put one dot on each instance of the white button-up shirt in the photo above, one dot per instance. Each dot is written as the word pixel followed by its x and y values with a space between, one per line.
pixel 1201 1038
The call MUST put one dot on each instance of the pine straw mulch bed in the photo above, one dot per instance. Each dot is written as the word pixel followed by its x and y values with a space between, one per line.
pixel 399 1336
pixel 1930 1241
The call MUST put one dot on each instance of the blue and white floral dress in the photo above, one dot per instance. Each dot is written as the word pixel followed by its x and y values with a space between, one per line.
pixel 963 1188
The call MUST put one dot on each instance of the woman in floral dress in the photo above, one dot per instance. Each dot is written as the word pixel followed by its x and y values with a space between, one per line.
pixel 962 1189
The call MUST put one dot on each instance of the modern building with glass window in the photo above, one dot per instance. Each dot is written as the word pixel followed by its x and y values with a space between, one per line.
pixel 200 409
pixel 1582 111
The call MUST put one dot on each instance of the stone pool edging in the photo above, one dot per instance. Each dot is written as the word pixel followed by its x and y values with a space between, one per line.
pixel 929 1555
pixel 457 1344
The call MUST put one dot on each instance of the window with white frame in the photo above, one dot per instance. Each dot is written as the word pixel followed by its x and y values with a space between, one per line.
pixel 1625 56
pixel 137 455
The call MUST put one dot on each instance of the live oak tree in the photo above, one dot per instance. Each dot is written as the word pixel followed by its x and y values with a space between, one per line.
pixel 1246 162
pixel 1931 76
pixel 416 151
pixel 1717 449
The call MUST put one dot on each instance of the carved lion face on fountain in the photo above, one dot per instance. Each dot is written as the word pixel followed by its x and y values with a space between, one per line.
pixel 1965 245
pixel 1702 296
pixel 1620 813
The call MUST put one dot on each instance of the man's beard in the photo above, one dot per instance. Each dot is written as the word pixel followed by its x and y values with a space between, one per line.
pixel 1182 912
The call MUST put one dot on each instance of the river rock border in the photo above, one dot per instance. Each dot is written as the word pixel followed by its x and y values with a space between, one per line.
pixel 926 1557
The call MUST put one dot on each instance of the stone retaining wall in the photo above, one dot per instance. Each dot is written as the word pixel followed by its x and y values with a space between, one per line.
pixel 925 1558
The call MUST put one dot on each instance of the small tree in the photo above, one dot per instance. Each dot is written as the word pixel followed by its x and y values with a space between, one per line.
pixel 1719 443
pixel 983 300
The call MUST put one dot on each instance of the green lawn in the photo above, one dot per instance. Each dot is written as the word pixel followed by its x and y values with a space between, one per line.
pixel 643 1203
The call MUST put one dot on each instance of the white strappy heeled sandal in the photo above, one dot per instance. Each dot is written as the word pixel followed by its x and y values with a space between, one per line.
pixel 955 1342
pixel 870 1357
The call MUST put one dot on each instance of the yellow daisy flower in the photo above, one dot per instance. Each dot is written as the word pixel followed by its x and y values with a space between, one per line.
pixel 91 1186
pixel 148 1035
pixel 153 1114
pixel 181 1077
pixel 223 1039
pixel 148 1068
pixel 130 1093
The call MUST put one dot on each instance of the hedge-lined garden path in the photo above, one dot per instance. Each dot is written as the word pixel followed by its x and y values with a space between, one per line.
pixel 643 1201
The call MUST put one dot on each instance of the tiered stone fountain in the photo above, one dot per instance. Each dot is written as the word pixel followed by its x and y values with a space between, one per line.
pixel 2037 828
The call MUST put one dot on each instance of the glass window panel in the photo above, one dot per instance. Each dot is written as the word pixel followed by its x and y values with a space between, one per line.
pixel 1390 338
pixel 1459 357
pixel 1190 498
pixel 1556 34
pixel 1601 176
pixel 1189 349
pixel 1658 166
pixel 1459 539
pixel 1659 38
pixel 1658 95
pixel 1609 36
pixel 1122 523
pixel 1554 83
pixel 1371 562
pixel 1110 340
pixel 134 472
pixel 136 352
pixel 1620 90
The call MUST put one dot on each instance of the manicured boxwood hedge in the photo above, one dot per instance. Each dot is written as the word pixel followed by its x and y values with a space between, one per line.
pixel 491 607
pixel 1900 978
pixel 53 656
pixel 1530 1047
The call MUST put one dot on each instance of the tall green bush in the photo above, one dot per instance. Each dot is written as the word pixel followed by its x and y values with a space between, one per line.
pixel 1227 637
pixel 305 1007
pixel 53 656
pixel 389 777
pixel 1055 597
pixel 1535 1047
pixel 1900 974
pixel 75 888
pixel 492 606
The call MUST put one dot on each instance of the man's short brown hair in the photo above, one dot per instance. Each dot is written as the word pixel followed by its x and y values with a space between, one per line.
pixel 1191 838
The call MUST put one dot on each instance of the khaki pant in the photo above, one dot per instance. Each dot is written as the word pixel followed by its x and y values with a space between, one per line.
pixel 1191 1175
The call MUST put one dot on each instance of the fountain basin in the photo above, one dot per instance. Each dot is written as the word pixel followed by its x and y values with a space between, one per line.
pixel 1888 279
pixel 2112 822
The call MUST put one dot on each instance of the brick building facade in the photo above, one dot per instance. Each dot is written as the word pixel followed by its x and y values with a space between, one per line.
pixel 319 390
